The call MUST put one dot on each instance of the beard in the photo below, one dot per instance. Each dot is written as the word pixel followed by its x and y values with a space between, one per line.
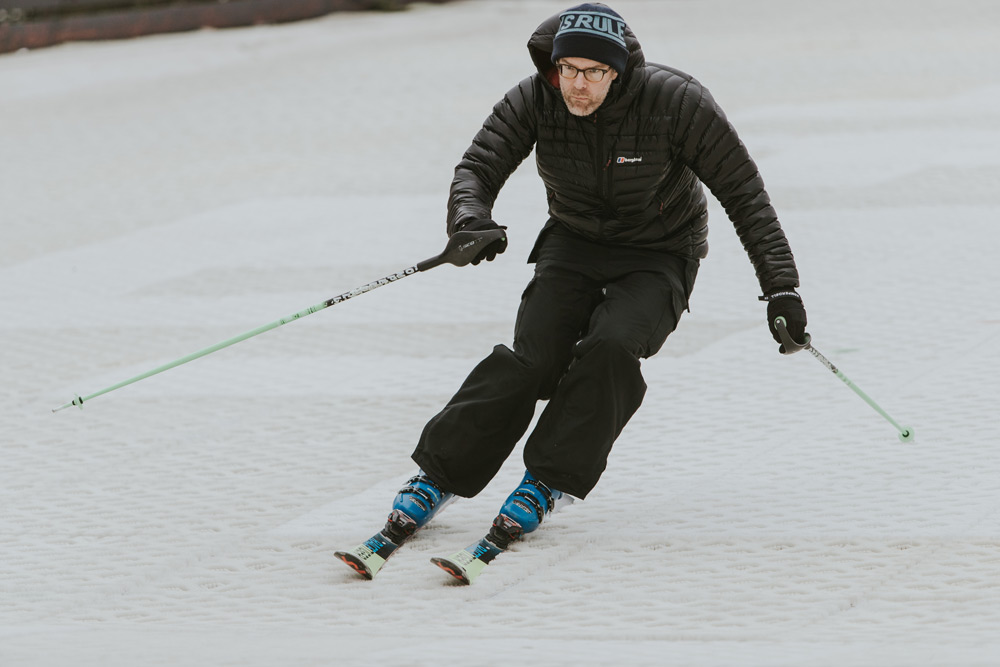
pixel 582 103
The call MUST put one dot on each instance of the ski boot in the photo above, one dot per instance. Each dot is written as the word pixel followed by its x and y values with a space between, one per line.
pixel 520 514
pixel 414 506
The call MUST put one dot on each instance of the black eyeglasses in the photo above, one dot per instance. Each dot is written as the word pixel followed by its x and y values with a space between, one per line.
pixel 592 74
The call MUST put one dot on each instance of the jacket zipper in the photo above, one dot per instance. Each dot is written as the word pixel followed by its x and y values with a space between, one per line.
pixel 602 176
pixel 599 166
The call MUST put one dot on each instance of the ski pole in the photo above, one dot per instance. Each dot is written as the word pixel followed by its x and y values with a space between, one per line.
pixel 789 346
pixel 461 249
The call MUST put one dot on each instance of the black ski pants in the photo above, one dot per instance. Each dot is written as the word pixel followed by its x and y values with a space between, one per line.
pixel 581 330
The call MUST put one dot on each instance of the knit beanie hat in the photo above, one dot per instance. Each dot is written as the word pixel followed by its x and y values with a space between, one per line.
pixel 593 31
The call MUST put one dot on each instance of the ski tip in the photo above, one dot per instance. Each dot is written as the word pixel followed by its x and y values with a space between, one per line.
pixel 355 564
pixel 452 568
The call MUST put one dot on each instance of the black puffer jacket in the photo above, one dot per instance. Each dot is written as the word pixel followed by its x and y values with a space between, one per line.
pixel 629 173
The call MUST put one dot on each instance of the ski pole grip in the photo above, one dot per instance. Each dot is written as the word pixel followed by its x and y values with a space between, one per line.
pixel 788 345
pixel 462 248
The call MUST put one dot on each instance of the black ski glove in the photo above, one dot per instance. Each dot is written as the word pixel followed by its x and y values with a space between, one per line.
pixel 787 303
pixel 490 252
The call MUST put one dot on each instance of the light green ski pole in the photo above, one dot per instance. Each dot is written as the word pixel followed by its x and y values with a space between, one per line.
pixel 462 248
pixel 789 346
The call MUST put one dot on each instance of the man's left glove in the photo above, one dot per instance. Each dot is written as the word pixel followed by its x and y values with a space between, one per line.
pixel 787 303
pixel 490 252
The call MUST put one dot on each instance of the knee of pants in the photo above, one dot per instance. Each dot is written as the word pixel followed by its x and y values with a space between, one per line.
pixel 611 346
pixel 541 370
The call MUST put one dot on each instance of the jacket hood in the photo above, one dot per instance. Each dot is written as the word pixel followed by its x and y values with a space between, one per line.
pixel 540 48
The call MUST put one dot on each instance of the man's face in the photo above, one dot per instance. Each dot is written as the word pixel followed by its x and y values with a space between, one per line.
pixel 583 97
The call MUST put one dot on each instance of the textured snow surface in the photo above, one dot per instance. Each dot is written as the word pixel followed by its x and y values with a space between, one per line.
pixel 160 195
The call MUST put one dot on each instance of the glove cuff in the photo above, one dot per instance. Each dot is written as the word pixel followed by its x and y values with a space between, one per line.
pixel 785 292
pixel 478 224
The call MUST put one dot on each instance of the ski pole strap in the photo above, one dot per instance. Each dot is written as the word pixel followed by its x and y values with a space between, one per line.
pixel 788 344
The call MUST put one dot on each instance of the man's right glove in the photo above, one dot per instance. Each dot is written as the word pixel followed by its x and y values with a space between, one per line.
pixel 786 303
pixel 490 252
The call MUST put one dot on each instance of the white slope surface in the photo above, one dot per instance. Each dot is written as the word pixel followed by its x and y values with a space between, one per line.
pixel 163 194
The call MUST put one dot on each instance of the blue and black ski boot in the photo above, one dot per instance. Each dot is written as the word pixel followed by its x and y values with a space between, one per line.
pixel 527 506
pixel 414 506
pixel 521 513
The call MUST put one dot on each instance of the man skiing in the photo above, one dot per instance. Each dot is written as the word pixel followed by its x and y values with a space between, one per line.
pixel 623 147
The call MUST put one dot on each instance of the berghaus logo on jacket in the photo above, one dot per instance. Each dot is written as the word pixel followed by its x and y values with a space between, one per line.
pixel 628 160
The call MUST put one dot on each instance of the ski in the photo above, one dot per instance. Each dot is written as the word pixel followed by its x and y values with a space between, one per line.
pixel 466 565
pixel 368 557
